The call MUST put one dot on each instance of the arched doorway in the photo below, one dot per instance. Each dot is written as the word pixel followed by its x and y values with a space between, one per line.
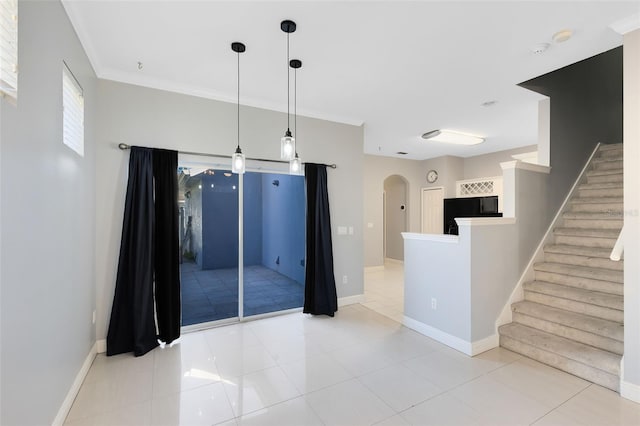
pixel 395 216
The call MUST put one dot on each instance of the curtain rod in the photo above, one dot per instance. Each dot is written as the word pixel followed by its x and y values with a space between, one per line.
pixel 124 146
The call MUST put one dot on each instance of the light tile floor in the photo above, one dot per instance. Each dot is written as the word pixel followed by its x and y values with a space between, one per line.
pixel 358 368
pixel 384 289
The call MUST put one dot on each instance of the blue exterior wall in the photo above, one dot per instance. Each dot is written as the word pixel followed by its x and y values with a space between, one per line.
pixel 274 222
pixel 283 224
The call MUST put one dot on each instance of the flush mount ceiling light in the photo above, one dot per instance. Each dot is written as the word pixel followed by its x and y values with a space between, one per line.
pixel 562 36
pixel 453 137
pixel 295 165
pixel 288 142
pixel 237 159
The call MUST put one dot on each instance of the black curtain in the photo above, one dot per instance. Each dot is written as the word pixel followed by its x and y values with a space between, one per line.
pixel 320 296
pixel 149 248
pixel 166 244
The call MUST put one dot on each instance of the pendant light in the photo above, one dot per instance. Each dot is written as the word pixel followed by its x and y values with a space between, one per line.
pixel 295 165
pixel 238 160
pixel 288 142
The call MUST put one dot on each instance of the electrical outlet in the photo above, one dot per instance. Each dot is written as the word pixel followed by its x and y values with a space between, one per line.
pixel 434 303
pixel 93 317
pixel 344 279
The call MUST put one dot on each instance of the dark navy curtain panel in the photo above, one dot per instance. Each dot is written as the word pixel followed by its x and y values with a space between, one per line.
pixel 320 297
pixel 149 248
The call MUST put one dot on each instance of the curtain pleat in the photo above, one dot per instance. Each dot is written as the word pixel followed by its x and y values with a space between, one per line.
pixel 132 326
pixel 167 251
pixel 320 297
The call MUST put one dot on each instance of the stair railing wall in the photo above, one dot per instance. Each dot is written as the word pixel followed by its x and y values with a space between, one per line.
pixel 528 273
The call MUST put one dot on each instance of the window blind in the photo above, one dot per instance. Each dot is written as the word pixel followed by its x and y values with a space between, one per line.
pixel 72 112
pixel 9 47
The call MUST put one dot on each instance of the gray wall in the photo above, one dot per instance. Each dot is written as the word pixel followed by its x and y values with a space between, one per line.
pixel 396 217
pixel 376 170
pixel 488 165
pixel 48 224
pixel 586 108
pixel 149 117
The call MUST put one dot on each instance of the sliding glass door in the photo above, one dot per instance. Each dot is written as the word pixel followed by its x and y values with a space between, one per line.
pixel 274 238
pixel 271 274
pixel 209 245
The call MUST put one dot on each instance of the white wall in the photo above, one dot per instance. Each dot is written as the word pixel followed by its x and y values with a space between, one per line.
pixel 632 216
pixel 48 224
pixel 149 117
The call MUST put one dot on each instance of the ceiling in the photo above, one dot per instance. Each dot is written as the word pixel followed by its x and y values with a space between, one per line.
pixel 400 68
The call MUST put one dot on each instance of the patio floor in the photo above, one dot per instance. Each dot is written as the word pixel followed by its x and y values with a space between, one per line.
pixel 212 295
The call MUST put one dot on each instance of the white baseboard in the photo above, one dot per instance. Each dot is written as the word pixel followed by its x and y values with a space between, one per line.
pixel 630 391
pixel 485 344
pixel 75 388
pixel 467 348
pixel 101 346
pixel 350 300
pixel 374 268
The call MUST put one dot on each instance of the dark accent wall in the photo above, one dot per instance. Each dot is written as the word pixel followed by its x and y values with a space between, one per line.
pixel 586 108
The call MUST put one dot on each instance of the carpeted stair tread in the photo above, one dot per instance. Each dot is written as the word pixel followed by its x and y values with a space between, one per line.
pixel 584 283
pixel 584 371
pixel 587 232
pixel 604 172
pixel 606 163
pixel 577 260
pixel 597 298
pixel 597 200
pixel 578 250
pixel 585 354
pixel 610 329
pixel 610 146
pixel 593 215
pixel 581 271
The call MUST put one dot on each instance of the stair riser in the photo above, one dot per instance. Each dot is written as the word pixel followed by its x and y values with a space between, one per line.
pixel 610 381
pixel 618 178
pixel 597 207
pixel 562 330
pixel 580 282
pixel 607 192
pixel 593 223
pixel 575 306
pixel 581 274
pixel 611 153
pixel 592 262
pixel 607 243
pixel 608 165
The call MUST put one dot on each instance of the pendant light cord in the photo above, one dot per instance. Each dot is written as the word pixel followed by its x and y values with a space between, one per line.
pixel 238 100
pixel 295 104
pixel 288 95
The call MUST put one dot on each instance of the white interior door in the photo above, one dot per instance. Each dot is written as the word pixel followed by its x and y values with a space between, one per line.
pixel 432 210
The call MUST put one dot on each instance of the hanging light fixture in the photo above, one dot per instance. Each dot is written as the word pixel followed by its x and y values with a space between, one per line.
pixel 295 165
pixel 288 142
pixel 238 160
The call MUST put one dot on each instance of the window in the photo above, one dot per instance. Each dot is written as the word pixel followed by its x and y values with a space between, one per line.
pixel 72 112
pixel 9 48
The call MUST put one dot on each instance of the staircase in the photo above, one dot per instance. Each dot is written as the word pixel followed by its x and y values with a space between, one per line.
pixel 571 317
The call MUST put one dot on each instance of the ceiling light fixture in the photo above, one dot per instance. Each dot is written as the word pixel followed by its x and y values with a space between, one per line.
pixel 562 36
pixel 453 137
pixel 295 165
pixel 238 161
pixel 288 142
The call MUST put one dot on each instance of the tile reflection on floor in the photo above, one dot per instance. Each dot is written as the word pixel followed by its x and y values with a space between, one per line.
pixel 358 368
pixel 210 295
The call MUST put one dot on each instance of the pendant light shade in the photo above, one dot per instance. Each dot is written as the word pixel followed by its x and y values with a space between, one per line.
pixel 288 142
pixel 237 159
pixel 295 165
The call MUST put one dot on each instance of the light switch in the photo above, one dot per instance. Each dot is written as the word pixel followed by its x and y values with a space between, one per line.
pixel 370 225
pixel 351 230
pixel 342 230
